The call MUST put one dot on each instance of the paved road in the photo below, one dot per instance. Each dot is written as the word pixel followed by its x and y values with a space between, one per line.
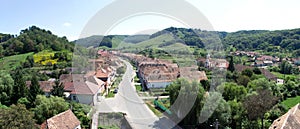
pixel 127 100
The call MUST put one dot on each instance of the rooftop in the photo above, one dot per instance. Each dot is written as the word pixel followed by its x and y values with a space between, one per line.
pixel 64 120
pixel 290 120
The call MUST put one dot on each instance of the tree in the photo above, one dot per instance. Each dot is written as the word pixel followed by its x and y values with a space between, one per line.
pixel 81 111
pixel 237 113
pixel 16 117
pixel 1 51
pixel 247 72
pixel 48 107
pixel 231 64
pixel 259 103
pixel 205 84
pixel 19 89
pixel 260 83
pixel 187 92
pixel 285 67
pixel 222 110
pixel 58 89
pixel 232 91
pixel 243 80
pixel 6 88
pixel 256 70
pixel 29 62
pixel 121 70
pixel 34 89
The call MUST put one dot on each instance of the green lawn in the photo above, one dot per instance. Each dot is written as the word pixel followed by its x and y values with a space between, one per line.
pixel 108 127
pixel 11 62
pixel 282 76
pixel 138 87
pixel 153 109
pixel 290 102
pixel 110 95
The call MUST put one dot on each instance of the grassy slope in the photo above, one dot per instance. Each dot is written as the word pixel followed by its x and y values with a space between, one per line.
pixel 11 62
pixel 290 102
pixel 282 76
pixel 151 43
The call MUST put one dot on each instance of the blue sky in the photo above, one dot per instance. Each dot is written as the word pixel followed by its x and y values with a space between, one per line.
pixel 68 17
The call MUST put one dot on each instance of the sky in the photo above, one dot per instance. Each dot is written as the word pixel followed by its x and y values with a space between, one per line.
pixel 69 17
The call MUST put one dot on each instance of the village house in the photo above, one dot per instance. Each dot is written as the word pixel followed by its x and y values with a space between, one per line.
pixel 106 75
pixel 240 67
pixel 192 74
pixel 157 74
pixel 84 92
pixel 64 120
pixel 216 63
pixel 258 64
pixel 82 89
pixel 45 86
pixel 268 63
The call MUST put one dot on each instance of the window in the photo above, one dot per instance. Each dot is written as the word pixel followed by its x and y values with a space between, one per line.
pixel 74 97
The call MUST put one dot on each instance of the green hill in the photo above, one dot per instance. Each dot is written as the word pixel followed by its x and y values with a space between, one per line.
pixel 279 42
pixel 34 39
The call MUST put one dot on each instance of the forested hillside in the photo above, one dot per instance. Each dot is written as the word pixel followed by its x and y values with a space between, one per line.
pixel 270 41
pixel 280 41
pixel 32 39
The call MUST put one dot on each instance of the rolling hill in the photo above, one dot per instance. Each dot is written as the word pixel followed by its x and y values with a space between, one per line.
pixel 277 42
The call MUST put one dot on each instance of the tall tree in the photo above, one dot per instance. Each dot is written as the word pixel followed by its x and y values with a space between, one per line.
pixel 285 67
pixel 58 89
pixel 258 104
pixel 231 64
pixel 6 88
pixel 34 89
pixel 48 107
pixel 16 117
pixel 181 91
pixel 247 72
pixel 19 89
pixel 243 80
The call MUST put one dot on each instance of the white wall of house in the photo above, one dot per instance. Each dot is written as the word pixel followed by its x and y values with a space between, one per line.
pixel 82 98
pixel 157 84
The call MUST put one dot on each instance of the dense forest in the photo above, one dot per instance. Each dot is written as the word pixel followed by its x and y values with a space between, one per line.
pixel 32 39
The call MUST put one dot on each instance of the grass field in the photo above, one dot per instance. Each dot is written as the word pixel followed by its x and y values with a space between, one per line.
pixel 290 102
pixel 153 109
pixel 12 62
pixel 282 76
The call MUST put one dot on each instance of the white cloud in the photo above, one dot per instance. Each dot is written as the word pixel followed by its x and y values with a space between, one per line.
pixel 67 24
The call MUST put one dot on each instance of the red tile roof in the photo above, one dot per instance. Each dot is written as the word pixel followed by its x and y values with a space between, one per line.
pixel 240 68
pixel 71 77
pixel 46 86
pixel 268 74
pixel 64 120
pixel 101 73
pixel 85 88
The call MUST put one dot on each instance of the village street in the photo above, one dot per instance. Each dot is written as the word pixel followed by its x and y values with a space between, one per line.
pixel 127 101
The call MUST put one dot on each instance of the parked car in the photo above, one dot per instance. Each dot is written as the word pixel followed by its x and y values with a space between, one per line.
pixel 115 91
